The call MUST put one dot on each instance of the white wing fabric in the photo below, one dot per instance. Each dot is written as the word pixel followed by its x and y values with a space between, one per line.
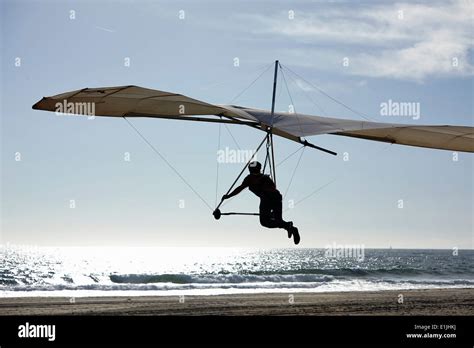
pixel 455 138
pixel 128 101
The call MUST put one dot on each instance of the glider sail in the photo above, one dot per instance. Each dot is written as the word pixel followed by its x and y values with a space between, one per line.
pixel 134 101
pixel 456 138
pixel 128 100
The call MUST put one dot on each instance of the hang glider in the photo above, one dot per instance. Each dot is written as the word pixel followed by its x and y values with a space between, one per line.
pixel 134 101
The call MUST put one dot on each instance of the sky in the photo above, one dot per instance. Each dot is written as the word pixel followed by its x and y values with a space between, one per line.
pixel 65 180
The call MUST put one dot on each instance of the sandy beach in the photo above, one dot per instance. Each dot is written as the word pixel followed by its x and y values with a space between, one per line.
pixel 415 302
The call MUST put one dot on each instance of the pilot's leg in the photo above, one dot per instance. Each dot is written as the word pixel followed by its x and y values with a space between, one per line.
pixel 277 208
pixel 271 212
pixel 265 211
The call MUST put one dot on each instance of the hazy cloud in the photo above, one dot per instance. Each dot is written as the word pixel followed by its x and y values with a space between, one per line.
pixel 403 40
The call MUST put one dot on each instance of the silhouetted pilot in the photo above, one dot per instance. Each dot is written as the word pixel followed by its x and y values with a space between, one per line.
pixel 270 200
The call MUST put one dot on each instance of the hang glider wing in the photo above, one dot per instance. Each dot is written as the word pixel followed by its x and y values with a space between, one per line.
pixel 455 138
pixel 127 101
pixel 134 101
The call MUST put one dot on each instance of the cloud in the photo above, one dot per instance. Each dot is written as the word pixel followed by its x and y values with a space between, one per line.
pixel 403 40
pixel 303 85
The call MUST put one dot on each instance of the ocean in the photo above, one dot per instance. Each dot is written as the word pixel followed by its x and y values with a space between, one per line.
pixel 132 271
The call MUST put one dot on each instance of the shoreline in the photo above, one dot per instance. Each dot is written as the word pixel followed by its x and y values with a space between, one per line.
pixel 447 301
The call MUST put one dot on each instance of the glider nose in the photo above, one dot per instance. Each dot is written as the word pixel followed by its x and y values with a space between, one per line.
pixel 37 104
pixel 43 104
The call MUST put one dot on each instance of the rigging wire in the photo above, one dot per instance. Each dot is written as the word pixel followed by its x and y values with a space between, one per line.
pixel 301 131
pixel 329 96
pixel 307 95
pixel 314 192
pixel 167 162
pixel 217 164
pixel 290 155
pixel 333 180
pixel 270 142
pixel 269 158
pixel 280 89
pixel 240 94
pixel 251 84
pixel 232 136
pixel 293 174
pixel 222 203
pixel 220 82
pixel 291 99
pixel 298 119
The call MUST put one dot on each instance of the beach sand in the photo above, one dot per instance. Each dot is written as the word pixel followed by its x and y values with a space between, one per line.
pixel 415 302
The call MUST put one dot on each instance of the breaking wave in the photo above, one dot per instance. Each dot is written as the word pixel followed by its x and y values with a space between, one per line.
pixel 155 270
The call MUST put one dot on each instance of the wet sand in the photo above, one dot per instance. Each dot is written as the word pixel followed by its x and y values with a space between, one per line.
pixel 415 302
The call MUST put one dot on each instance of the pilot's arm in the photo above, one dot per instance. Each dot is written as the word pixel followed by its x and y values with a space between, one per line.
pixel 237 190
